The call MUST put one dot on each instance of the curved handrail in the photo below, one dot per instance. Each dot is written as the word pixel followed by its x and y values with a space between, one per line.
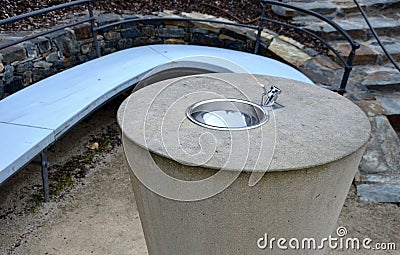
pixel 36 35
pixel 42 11
pixel 375 34
pixel 153 19
pixel 134 20
pixel 338 28
pixel 347 64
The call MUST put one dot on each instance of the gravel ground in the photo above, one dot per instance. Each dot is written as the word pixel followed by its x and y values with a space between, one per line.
pixel 92 209
pixel 96 213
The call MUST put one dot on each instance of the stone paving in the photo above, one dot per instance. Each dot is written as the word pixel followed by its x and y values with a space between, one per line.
pixel 374 84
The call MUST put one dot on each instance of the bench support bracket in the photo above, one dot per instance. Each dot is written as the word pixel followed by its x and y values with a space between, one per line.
pixel 45 176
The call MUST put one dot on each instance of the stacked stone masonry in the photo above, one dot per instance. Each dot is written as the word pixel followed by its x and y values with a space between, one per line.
pixel 29 62
pixel 374 83
pixel 379 176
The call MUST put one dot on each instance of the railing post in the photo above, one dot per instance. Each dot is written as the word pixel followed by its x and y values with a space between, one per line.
pixel 94 30
pixel 260 28
pixel 347 69
pixel 45 176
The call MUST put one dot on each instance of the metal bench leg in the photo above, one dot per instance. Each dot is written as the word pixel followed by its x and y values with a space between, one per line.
pixel 45 177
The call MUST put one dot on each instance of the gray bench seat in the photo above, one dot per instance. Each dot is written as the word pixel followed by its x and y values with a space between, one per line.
pixel 35 117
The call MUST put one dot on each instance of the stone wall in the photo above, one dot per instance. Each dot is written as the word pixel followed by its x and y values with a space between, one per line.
pixel 29 62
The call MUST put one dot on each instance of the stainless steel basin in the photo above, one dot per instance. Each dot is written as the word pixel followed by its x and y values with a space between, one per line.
pixel 227 114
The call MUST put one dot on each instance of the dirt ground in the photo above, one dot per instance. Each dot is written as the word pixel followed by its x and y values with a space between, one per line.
pixel 98 215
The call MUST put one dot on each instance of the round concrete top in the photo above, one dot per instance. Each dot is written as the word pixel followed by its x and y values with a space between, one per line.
pixel 312 127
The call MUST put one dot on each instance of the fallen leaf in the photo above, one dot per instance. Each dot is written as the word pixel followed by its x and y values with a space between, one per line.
pixel 93 146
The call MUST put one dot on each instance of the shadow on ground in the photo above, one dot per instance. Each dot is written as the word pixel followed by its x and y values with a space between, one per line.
pixel 97 213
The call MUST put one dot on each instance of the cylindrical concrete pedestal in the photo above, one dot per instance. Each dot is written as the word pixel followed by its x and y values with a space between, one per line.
pixel 284 181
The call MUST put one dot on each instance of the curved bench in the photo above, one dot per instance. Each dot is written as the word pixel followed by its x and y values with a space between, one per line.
pixel 35 117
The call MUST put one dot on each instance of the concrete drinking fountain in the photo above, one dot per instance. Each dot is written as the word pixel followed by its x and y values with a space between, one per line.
pixel 216 171
pixel 233 114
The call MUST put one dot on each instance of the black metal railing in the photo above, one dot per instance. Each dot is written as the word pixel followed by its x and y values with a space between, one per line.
pixel 25 16
pixel 347 63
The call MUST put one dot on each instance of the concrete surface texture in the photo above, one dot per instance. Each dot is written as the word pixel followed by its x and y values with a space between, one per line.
pixel 305 127
pixel 100 217
pixel 374 82
pixel 312 153
pixel 371 78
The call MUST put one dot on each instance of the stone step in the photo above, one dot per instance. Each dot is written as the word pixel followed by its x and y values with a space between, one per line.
pixel 389 99
pixel 370 6
pixel 379 192
pixel 338 7
pixel 324 7
pixel 384 79
pixel 392 45
pixel 354 25
pixel 370 53
pixel 379 176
